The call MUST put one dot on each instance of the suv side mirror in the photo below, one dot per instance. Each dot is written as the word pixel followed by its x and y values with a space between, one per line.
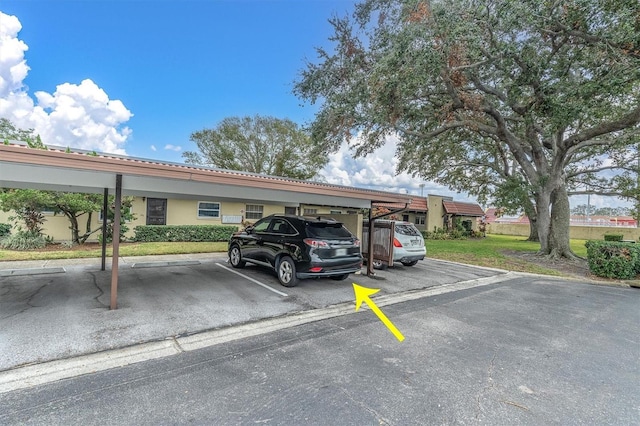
pixel 249 229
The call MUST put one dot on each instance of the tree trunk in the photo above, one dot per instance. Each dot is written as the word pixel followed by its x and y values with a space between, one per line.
pixel 74 225
pixel 530 211
pixel 533 230
pixel 543 222
pixel 87 231
pixel 560 225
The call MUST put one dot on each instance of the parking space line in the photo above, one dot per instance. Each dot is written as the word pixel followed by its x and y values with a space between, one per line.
pixel 253 280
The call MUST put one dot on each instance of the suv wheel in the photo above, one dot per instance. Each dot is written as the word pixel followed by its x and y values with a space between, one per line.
pixel 413 262
pixel 287 272
pixel 379 264
pixel 235 257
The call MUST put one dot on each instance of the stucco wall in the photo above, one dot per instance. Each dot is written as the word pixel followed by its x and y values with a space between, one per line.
pixel 435 213
pixel 57 226
pixel 184 212
pixel 575 232
pixel 353 222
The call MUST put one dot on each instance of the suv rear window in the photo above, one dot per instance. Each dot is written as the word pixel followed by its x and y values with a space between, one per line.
pixel 406 229
pixel 327 230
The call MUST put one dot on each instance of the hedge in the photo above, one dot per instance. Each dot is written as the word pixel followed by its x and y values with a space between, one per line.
pixel 191 233
pixel 613 259
pixel 5 229
pixel 613 237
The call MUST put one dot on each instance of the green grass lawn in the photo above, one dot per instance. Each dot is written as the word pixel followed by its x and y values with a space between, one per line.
pixel 126 249
pixel 490 252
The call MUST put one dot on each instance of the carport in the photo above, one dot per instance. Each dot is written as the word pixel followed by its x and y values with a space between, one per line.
pixel 58 169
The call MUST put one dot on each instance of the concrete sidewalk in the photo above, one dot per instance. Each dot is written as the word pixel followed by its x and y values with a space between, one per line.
pixel 126 261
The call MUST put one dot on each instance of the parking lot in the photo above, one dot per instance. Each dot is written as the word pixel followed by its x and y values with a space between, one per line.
pixel 506 348
pixel 66 312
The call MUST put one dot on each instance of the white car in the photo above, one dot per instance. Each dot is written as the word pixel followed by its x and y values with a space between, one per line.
pixel 408 244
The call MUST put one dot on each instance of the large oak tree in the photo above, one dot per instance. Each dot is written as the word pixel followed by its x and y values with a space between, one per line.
pixel 485 95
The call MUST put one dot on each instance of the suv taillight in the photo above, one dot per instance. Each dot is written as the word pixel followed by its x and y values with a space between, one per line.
pixel 396 243
pixel 315 243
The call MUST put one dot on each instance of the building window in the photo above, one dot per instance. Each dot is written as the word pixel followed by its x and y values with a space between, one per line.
pixel 208 210
pixel 420 220
pixel 310 212
pixel 405 218
pixel 336 211
pixel 156 211
pixel 253 211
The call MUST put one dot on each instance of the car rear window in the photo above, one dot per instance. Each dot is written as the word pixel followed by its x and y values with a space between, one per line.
pixel 407 229
pixel 327 230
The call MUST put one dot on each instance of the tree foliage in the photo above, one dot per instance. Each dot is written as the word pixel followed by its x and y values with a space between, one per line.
pixel 258 144
pixel 483 93
pixel 584 210
pixel 28 204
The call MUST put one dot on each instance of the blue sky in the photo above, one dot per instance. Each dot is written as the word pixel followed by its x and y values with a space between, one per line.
pixel 178 66
pixel 137 77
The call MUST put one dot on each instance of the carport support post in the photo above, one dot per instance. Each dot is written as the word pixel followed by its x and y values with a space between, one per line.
pixel 116 244
pixel 105 206
pixel 370 272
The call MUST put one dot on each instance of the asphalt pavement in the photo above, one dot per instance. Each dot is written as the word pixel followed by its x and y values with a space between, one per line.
pixel 55 320
pixel 503 349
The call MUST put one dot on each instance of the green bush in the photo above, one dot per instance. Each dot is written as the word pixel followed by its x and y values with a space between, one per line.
pixel 191 233
pixel 612 259
pixel 5 229
pixel 443 234
pixel 613 237
pixel 23 240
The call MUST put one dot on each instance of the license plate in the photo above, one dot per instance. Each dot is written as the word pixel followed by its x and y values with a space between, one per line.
pixel 341 252
pixel 415 242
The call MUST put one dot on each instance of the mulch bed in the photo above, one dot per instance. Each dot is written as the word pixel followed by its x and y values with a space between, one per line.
pixel 574 268
pixel 578 268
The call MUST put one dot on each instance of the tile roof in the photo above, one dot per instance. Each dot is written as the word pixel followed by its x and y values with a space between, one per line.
pixel 462 209
pixel 418 204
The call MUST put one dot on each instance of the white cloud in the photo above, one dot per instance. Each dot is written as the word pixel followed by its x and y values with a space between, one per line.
pixel 153 148
pixel 378 171
pixel 175 148
pixel 79 116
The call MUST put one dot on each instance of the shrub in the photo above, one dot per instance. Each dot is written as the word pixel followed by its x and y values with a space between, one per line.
pixel 5 229
pixel 192 233
pixel 443 234
pixel 123 230
pixel 613 259
pixel 613 237
pixel 23 240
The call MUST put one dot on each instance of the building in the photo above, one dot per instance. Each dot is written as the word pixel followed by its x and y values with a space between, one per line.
pixel 179 194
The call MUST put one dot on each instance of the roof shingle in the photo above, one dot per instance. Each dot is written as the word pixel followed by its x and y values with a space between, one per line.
pixel 462 209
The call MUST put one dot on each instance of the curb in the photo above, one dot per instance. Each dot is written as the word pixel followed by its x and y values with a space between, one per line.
pixel 51 371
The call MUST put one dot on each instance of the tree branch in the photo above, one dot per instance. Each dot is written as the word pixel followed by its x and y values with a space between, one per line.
pixel 586 137
pixel 601 169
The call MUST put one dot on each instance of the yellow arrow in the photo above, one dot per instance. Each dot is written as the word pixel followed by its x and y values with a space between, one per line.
pixel 362 295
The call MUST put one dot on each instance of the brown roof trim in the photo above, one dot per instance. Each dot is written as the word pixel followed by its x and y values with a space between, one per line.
pixel 52 157
pixel 418 204
pixel 462 209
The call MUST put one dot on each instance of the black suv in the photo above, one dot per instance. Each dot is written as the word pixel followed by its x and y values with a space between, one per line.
pixel 297 247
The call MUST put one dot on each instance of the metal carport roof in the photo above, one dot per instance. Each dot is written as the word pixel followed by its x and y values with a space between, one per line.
pixel 60 170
